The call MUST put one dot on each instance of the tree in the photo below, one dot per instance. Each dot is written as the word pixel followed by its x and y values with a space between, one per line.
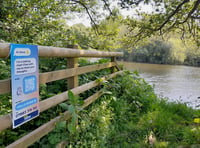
pixel 156 51
pixel 39 21
pixel 182 16
pixel 23 21
pixel 109 33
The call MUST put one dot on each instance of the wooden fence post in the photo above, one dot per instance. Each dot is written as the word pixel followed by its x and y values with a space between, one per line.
pixel 72 82
pixel 113 59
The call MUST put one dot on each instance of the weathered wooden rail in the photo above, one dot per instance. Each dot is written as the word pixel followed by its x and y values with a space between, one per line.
pixel 71 74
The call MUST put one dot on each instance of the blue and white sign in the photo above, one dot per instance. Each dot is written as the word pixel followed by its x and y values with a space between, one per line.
pixel 25 83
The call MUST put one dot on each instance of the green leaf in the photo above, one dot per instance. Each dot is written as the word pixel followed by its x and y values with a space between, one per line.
pixel 107 92
pixel 81 102
pixel 73 99
pixel 70 95
pixel 74 118
pixel 61 125
pixel 99 80
pixel 71 109
pixel 64 106
pixel 9 16
pixel 71 128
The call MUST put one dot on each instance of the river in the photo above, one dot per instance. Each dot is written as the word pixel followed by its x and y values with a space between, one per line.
pixel 177 83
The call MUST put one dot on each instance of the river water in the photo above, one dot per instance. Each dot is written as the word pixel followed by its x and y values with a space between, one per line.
pixel 177 83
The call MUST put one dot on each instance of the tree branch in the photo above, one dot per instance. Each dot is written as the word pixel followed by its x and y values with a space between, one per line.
pixel 172 14
pixel 195 17
pixel 107 6
pixel 196 4
pixel 89 14
pixel 188 16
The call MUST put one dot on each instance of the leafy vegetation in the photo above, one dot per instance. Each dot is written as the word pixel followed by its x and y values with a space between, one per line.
pixel 162 18
pixel 129 114
pixel 128 117
pixel 45 23
pixel 157 51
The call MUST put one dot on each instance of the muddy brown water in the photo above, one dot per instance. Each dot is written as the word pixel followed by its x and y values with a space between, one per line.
pixel 177 83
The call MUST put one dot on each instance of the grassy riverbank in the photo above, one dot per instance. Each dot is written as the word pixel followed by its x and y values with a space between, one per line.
pixel 131 115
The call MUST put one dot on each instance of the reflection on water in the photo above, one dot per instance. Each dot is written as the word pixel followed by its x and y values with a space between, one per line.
pixel 178 83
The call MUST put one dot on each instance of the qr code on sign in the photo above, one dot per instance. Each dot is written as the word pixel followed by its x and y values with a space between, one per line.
pixel 29 84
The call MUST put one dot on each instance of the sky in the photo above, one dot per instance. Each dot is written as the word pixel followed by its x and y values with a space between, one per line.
pixel 77 18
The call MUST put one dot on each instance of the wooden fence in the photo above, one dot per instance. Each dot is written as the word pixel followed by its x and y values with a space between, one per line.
pixel 71 74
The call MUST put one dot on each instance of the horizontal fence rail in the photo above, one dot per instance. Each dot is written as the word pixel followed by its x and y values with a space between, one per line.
pixel 6 121
pixel 58 75
pixel 71 74
pixel 46 51
pixel 49 126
